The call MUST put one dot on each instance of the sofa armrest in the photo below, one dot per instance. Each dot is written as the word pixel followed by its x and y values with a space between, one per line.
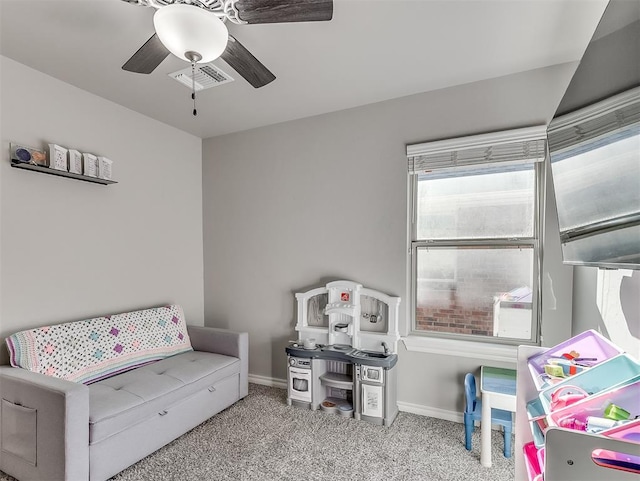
pixel 44 424
pixel 224 341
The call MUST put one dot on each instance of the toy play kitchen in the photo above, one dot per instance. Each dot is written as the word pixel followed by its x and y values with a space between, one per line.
pixel 345 357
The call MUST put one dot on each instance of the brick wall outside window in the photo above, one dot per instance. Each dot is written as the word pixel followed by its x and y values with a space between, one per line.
pixel 466 305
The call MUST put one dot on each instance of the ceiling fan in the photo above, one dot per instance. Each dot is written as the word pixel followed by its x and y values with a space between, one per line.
pixel 195 31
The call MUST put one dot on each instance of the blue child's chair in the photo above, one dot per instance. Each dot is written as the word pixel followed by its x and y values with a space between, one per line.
pixel 473 412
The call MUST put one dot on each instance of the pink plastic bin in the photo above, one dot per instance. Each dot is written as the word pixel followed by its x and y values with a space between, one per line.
pixel 627 397
pixel 589 344
pixel 625 432
pixel 531 461
pixel 618 370
pixel 541 459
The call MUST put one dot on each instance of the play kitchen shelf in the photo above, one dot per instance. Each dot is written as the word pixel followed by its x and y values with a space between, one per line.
pixel 576 404
pixel 340 381
pixel 344 359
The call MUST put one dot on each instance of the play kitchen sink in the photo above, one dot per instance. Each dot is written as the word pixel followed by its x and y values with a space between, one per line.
pixel 344 360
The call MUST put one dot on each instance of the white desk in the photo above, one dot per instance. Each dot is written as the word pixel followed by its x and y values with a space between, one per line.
pixel 498 388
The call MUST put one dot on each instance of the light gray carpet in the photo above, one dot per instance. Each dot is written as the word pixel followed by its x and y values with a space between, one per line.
pixel 261 438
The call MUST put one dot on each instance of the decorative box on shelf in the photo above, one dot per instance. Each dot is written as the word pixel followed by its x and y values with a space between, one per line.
pixel 75 161
pixel 58 157
pixel 104 168
pixel 90 165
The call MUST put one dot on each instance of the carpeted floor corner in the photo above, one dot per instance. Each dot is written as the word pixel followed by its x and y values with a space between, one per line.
pixel 261 438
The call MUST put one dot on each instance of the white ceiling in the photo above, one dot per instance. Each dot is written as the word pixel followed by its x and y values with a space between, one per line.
pixel 372 50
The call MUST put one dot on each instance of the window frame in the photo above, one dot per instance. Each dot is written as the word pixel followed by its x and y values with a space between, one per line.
pixel 540 172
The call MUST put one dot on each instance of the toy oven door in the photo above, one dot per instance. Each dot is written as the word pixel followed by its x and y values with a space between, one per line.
pixel 300 384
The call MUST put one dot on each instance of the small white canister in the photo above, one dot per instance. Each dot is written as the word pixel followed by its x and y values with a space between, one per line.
pixel 90 165
pixel 105 167
pixel 58 157
pixel 75 161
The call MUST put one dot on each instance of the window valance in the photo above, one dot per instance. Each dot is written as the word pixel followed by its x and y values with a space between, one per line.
pixel 513 146
pixel 606 119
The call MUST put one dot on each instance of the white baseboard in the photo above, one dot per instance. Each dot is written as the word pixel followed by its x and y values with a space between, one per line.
pixel 431 412
pixel 268 381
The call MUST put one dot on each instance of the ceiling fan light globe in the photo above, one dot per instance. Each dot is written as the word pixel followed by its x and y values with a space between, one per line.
pixel 186 28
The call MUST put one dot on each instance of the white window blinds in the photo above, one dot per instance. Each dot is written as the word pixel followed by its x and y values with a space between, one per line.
pixel 511 146
pixel 606 118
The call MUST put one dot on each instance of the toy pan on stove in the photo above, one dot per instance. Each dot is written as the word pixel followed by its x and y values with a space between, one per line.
pixel 618 370
pixel 582 351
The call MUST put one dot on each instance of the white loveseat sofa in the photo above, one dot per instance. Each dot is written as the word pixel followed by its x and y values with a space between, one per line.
pixel 91 423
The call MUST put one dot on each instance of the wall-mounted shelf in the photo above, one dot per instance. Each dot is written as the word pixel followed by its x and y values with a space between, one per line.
pixel 61 173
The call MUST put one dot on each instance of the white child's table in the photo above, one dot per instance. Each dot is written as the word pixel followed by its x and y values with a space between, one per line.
pixel 498 388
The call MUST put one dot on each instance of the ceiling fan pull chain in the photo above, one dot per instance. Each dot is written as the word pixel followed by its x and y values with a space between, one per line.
pixel 193 87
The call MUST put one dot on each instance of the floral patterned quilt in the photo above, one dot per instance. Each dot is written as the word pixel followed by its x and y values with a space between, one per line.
pixel 94 349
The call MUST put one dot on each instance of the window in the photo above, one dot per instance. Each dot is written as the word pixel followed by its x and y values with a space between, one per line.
pixel 595 166
pixel 474 253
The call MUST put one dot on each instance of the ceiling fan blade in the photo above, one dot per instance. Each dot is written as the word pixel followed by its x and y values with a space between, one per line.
pixel 278 11
pixel 148 57
pixel 243 62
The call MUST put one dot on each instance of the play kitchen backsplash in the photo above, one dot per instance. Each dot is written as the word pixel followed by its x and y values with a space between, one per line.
pixel 344 359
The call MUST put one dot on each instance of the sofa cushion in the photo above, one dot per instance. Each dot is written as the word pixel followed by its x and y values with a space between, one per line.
pixel 90 350
pixel 132 397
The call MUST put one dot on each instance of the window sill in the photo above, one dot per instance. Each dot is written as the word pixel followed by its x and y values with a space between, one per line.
pixel 459 348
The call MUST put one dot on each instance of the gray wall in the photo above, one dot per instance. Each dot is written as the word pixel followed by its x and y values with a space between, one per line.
pixel 71 249
pixel 585 308
pixel 557 278
pixel 610 65
pixel 295 205
pixel 621 288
